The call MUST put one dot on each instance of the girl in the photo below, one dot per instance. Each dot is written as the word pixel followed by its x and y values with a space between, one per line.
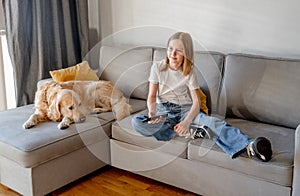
pixel 174 102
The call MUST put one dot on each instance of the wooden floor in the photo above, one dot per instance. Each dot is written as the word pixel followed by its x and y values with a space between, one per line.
pixel 111 181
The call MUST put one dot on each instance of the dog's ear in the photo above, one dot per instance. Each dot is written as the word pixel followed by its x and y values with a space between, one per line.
pixel 67 85
pixel 41 93
pixel 54 109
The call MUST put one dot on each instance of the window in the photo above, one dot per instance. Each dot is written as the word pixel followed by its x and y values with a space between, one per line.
pixel 7 87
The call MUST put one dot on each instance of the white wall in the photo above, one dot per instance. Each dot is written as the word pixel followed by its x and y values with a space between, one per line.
pixel 267 27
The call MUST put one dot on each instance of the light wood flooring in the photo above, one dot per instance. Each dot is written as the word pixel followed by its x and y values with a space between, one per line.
pixel 111 181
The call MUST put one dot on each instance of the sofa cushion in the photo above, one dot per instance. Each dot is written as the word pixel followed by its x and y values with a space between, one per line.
pixel 137 105
pixel 278 170
pixel 81 71
pixel 262 89
pixel 209 67
pixel 45 141
pixel 127 68
pixel 124 132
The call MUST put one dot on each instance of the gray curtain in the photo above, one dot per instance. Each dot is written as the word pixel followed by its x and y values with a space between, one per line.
pixel 43 35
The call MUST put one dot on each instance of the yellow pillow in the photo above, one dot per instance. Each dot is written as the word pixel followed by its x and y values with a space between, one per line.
pixel 203 102
pixel 81 71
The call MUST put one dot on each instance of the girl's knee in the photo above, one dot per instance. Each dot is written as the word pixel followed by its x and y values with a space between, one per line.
pixel 138 125
pixel 137 119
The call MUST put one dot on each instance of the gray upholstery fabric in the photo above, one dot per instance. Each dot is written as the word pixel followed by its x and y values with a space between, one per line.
pixel 296 174
pixel 262 89
pixel 279 170
pixel 136 106
pixel 45 141
pixel 55 173
pixel 195 176
pixel 208 67
pixel 128 69
pixel 123 131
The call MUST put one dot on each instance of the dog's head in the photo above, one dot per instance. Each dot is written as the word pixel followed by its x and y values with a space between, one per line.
pixel 66 104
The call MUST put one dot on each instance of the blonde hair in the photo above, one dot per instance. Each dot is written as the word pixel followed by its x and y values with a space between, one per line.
pixel 188 51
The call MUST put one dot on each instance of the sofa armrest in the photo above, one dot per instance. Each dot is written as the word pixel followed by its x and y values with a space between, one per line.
pixel 296 174
pixel 39 83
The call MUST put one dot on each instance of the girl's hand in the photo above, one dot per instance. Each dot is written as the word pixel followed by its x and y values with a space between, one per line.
pixel 181 128
pixel 155 120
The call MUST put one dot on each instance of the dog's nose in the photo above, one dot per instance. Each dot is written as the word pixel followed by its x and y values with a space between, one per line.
pixel 82 118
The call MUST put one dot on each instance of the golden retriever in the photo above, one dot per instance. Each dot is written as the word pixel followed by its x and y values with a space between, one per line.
pixel 72 101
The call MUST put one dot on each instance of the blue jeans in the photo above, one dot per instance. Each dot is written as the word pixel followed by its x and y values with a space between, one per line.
pixel 230 139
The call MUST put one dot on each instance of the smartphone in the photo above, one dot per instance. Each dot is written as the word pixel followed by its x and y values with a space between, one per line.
pixel 146 119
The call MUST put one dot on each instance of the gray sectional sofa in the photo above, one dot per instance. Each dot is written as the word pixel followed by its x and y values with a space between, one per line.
pixel 259 95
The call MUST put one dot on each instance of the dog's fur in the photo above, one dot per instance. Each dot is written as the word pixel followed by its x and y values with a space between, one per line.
pixel 69 102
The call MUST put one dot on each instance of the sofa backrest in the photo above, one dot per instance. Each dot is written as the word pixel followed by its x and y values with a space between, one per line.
pixel 262 89
pixel 208 68
pixel 127 68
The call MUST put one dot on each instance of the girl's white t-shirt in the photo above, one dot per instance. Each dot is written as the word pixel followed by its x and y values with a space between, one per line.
pixel 173 85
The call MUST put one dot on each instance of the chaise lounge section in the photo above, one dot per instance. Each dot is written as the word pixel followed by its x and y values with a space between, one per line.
pixel 42 159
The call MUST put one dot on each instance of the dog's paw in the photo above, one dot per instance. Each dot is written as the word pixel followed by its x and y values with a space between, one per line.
pixel 28 124
pixel 63 125
pixel 100 110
